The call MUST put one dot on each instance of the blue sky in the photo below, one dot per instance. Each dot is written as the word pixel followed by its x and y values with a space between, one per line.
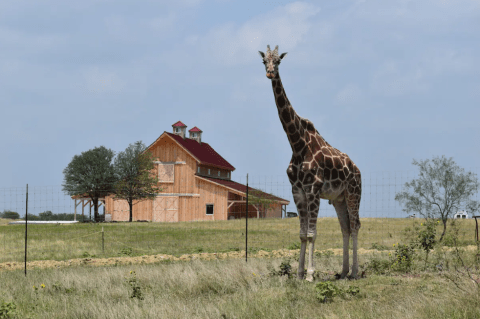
pixel 383 81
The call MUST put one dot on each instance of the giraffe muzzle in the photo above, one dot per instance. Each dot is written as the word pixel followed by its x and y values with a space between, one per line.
pixel 270 75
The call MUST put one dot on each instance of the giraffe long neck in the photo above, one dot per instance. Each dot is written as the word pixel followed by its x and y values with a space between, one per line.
pixel 291 122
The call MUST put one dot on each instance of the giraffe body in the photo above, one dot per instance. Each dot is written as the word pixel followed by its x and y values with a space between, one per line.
pixel 316 171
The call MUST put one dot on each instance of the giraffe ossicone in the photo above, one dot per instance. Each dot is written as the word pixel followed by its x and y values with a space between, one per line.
pixel 316 171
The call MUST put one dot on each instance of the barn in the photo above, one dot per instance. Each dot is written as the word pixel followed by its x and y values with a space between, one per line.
pixel 196 185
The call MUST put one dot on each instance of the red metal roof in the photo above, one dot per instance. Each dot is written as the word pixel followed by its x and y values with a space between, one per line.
pixel 203 152
pixel 179 124
pixel 195 129
pixel 243 188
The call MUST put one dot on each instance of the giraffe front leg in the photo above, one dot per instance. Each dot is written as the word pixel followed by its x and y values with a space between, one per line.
pixel 311 265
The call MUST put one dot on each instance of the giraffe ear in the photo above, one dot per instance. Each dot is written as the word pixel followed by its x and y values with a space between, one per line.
pixel 283 55
pixel 261 54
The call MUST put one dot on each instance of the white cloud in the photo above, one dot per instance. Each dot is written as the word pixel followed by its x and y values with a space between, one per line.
pixel 392 80
pixel 351 93
pixel 98 80
pixel 163 24
pixel 285 26
pixel 23 43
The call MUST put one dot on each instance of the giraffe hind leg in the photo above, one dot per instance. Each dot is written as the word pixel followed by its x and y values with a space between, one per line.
pixel 344 219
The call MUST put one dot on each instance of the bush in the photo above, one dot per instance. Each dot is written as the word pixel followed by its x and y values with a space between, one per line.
pixel 8 214
pixel 327 290
pixel 378 266
pixel 285 269
pixel 403 260
pixel 7 310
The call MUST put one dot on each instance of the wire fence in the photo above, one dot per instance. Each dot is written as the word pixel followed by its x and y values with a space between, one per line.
pixel 194 229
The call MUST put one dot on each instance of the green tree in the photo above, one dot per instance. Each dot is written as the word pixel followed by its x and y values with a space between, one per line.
pixel 440 191
pixel 90 174
pixel 8 214
pixel 133 172
pixel 47 215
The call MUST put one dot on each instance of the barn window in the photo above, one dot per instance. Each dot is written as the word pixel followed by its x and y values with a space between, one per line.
pixel 198 170
pixel 228 174
pixel 218 173
pixel 209 209
pixel 166 173
pixel 209 171
pixel 194 134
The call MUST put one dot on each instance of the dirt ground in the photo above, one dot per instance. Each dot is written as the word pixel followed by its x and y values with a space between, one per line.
pixel 150 259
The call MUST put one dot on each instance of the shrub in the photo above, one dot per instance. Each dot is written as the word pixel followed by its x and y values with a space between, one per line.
pixel 285 269
pixel 403 259
pixel 8 214
pixel 293 246
pixel 378 266
pixel 327 290
pixel 7 310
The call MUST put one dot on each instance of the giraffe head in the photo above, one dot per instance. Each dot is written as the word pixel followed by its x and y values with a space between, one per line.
pixel 271 61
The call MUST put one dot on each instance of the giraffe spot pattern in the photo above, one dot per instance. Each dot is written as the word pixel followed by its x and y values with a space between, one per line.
pixel 281 101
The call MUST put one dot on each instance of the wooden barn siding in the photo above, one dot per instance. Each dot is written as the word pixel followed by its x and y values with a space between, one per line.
pixel 213 172
pixel 142 210
pixel 275 211
pixel 195 208
pixel 184 180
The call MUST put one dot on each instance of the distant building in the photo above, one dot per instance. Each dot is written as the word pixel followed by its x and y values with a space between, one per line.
pixel 461 215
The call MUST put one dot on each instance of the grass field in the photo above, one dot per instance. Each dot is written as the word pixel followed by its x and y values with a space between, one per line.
pixel 63 242
pixel 232 289
pixel 228 288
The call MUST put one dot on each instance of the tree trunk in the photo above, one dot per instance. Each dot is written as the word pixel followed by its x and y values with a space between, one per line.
pixel 444 228
pixel 95 209
pixel 131 210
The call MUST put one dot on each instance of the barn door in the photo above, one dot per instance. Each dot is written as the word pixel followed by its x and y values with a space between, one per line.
pixel 165 209
pixel 121 210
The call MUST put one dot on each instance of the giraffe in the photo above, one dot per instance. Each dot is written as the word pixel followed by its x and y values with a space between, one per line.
pixel 316 171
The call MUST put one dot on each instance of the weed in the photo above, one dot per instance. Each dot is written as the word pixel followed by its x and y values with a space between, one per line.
pixel 7 310
pixel 86 255
pixel 324 253
pixel 285 269
pixel 327 290
pixel 126 252
pixel 136 289
pixel 426 237
pixel 379 247
pixel 377 266
pixel 293 246
pixel 198 250
pixel 403 260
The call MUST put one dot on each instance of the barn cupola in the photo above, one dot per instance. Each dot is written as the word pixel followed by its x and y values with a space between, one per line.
pixel 179 129
pixel 196 134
